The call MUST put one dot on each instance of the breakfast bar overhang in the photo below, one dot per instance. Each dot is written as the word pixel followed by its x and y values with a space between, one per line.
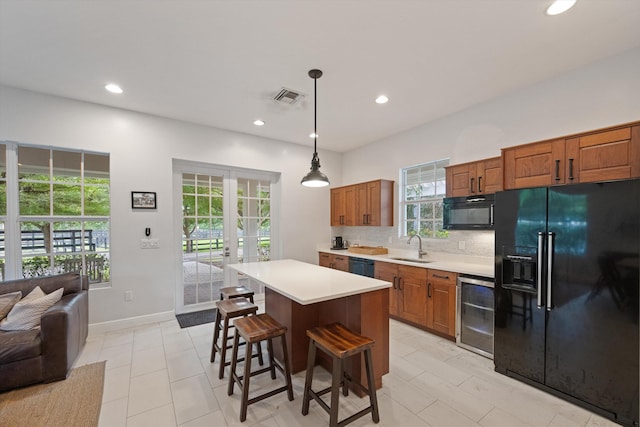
pixel 302 296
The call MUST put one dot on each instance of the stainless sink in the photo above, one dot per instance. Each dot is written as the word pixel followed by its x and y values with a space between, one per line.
pixel 420 261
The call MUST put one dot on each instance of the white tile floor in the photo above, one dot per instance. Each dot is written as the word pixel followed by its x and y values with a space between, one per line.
pixel 160 375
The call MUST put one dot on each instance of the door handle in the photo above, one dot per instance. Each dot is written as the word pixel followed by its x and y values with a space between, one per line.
pixel 539 267
pixel 227 252
pixel 472 185
pixel 571 169
pixel 557 170
pixel 550 238
pixel 399 283
pixel 429 289
pixel 491 213
pixel 394 282
pixel 479 184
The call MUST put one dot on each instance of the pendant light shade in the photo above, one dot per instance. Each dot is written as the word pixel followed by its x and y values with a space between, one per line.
pixel 315 178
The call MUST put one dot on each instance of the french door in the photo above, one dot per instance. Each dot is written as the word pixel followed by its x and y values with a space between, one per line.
pixel 226 217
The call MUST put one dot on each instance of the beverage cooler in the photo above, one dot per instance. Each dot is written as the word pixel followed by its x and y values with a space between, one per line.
pixel 475 314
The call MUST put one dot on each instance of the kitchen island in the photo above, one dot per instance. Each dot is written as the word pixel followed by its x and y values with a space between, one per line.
pixel 302 296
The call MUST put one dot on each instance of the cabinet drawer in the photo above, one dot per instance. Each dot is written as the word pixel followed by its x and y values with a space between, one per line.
pixel 443 276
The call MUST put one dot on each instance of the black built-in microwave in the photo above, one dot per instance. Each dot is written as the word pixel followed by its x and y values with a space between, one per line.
pixel 468 213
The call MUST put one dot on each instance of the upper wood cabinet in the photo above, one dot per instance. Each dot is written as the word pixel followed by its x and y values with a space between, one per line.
pixel 474 178
pixel 534 165
pixel 604 156
pixel 607 154
pixel 368 203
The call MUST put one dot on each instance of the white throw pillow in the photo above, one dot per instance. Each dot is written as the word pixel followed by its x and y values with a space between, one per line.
pixel 27 312
pixel 34 294
pixel 7 301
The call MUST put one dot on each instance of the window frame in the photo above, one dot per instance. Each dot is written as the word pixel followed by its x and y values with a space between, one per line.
pixel 438 181
pixel 14 254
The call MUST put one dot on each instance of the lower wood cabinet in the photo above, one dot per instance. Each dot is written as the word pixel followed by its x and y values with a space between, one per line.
pixel 441 301
pixel 335 261
pixel 421 296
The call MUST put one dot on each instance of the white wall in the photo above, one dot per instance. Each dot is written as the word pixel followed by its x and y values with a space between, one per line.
pixel 141 150
pixel 599 95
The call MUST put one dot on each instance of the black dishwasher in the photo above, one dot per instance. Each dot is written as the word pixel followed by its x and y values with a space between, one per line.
pixel 361 266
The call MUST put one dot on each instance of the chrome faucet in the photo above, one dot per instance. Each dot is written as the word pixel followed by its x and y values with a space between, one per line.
pixel 420 251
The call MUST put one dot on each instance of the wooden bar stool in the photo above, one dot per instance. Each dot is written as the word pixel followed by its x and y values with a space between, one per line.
pixel 253 330
pixel 236 292
pixel 340 343
pixel 227 310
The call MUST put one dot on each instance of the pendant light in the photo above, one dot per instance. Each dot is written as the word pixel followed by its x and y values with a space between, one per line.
pixel 315 178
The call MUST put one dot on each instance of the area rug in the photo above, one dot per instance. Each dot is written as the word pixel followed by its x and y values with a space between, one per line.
pixel 196 318
pixel 75 401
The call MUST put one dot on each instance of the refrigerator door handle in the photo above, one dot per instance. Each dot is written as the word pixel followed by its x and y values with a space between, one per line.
pixel 550 238
pixel 539 266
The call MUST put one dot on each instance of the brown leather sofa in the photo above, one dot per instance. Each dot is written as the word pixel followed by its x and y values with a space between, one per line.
pixel 47 353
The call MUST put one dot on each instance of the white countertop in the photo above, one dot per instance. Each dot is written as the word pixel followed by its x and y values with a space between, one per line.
pixel 308 283
pixel 476 266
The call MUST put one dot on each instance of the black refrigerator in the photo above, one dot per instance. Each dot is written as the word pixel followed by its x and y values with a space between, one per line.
pixel 566 293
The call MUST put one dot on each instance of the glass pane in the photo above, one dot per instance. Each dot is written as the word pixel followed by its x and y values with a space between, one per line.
pixel 188 205
pixel 410 227
pixel 67 199
pixel 202 243
pixel 3 197
pixel 438 209
pixel 2 250
pixel 96 236
pixel 3 161
pixel 66 166
pixel 68 237
pixel 202 205
pixel 96 169
pixel 98 267
pixel 96 200
pixel 202 184
pixel 426 228
pixel 67 264
pixel 411 211
pixel 36 237
pixel 34 198
pixel 33 163
pixel 426 210
pixel 35 266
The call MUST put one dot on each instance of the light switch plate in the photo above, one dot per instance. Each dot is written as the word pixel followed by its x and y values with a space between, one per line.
pixel 149 244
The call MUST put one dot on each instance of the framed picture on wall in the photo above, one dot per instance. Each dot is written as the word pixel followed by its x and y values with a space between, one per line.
pixel 143 200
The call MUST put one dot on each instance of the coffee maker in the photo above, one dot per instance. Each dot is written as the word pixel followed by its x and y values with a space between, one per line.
pixel 338 243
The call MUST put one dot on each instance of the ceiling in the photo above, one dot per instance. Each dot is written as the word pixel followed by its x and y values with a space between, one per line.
pixel 220 62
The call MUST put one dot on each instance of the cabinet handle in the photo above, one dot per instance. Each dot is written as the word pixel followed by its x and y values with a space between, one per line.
pixel 394 282
pixel 557 170
pixel 399 283
pixel 440 276
pixel 472 185
pixel 479 184
pixel 429 289
pixel 571 169
pixel 341 219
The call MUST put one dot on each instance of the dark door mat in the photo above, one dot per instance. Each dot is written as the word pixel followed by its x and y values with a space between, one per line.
pixel 196 318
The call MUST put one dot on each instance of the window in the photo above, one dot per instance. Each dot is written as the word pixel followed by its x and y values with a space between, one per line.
pixel 423 188
pixel 62 208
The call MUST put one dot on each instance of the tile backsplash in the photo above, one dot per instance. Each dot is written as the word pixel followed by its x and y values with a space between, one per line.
pixel 474 243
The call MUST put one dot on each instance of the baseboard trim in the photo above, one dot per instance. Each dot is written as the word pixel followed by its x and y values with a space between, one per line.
pixel 131 322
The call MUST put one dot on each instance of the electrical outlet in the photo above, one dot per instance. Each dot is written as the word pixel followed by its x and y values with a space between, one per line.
pixel 128 295
pixel 461 245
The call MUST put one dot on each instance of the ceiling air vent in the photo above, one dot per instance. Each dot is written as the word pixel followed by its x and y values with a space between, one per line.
pixel 288 96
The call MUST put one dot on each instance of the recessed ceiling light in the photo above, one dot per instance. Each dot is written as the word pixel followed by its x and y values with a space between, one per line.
pixel 113 88
pixel 560 6
pixel 382 99
pixel 313 135
pixel 258 122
